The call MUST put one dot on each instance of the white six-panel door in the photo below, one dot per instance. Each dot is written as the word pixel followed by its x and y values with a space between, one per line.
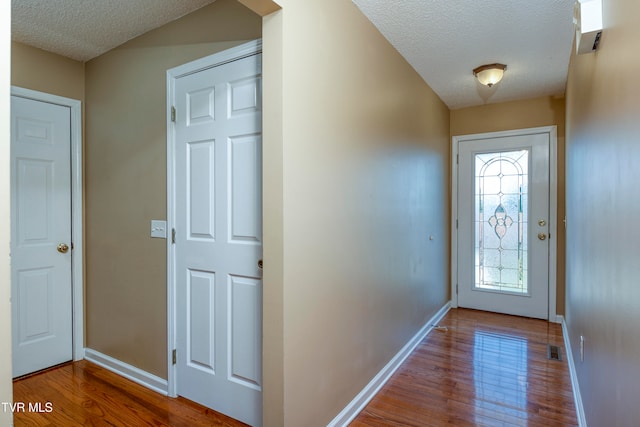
pixel 218 241
pixel 41 288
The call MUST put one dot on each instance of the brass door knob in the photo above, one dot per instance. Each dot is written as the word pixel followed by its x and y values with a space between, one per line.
pixel 542 236
pixel 63 248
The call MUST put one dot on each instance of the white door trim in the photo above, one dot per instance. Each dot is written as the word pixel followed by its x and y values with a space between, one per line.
pixel 553 206
pixel 76 208
pixel 244 50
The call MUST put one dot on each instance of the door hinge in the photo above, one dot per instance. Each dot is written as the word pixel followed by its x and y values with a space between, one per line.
pixel 456 224
pixel 174 356
pixel 173 113
pixel 456 289
pixel 457 159
pixel 173 236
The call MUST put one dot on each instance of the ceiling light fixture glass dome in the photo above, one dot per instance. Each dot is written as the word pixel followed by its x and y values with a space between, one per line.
pixel 489 74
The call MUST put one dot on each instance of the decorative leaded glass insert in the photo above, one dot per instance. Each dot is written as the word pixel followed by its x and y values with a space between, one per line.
pixel 501 181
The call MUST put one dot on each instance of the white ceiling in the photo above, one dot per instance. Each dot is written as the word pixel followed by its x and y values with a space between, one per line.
pixel 442 39
pixel 84 29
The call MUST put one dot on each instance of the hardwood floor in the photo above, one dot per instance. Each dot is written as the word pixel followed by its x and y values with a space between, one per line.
pixel 84 394
pixel 486 370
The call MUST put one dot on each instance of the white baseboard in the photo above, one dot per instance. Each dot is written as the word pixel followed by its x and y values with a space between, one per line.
pixel 136 375
pixel 79 353
pixel 369 391
pixel 582 421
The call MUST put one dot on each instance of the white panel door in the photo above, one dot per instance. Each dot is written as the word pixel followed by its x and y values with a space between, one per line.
pixel 503 225
pixel 40 235
pixel 218 199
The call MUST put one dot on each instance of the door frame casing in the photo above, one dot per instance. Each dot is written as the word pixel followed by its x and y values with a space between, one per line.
pixel 220 58
pixel 553 207
pixel 77 236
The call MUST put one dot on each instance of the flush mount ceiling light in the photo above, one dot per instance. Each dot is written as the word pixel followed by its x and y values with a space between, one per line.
pixel 489 74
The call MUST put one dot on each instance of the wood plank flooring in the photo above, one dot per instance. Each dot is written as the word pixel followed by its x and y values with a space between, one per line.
pixel 486 369
pixel 84 394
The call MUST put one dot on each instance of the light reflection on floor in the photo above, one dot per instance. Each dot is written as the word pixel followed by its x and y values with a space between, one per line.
pixel 479 369
pixel 499 375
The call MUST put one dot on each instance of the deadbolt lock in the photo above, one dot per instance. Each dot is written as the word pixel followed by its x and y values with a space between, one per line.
pixel 542 223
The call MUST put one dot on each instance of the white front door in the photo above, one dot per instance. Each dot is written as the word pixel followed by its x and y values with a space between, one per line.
pixel 218 243
pixel 503 224
pixel 41 288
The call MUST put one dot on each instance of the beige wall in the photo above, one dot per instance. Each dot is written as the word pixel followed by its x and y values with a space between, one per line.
pixel 603 207
pixel 47 72
pixel 273 223
pixel 126 305
pixel 6 386
pixel 543 111
pixel 261 7
pixel 360 176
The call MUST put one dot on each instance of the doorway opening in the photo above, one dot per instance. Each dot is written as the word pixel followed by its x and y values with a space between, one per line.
pixel 504 222
pixel 74 247
pixel 214 181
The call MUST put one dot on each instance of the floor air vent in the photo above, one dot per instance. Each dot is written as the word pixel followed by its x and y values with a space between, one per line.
pixel 553 352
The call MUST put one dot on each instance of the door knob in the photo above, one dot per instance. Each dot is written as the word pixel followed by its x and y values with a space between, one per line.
pixel 542 236
pixel 260 264
pixel 63 248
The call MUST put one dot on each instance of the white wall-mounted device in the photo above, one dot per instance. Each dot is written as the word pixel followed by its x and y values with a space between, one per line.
pixel 587 19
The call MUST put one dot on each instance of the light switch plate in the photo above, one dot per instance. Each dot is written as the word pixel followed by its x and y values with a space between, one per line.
pixel 159 228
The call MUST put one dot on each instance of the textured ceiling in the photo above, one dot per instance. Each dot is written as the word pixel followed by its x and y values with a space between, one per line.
pixel 84 29
pixel 444 40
